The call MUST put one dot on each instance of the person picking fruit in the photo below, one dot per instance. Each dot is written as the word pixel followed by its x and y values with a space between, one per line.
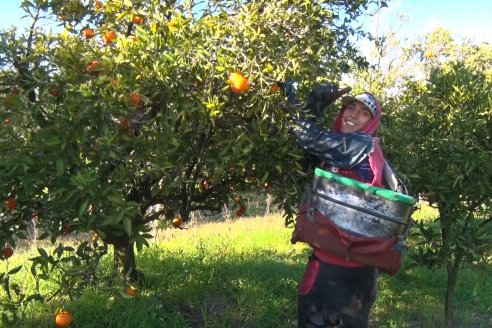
pixel 336 290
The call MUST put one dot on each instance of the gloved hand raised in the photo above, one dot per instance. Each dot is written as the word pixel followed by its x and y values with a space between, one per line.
pixel 321 96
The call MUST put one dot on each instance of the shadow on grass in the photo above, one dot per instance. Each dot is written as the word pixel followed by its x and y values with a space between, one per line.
pixel 258 289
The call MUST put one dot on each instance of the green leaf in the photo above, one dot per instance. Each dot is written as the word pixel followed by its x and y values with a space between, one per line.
pixel 83 208
pixel 15 270
pixel 127 225
pixel 60 165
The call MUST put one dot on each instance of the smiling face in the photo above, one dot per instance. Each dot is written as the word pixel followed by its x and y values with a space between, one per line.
pixel 355 116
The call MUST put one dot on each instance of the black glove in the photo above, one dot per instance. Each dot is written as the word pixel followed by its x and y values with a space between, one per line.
pixel 320 97
pixel 290 93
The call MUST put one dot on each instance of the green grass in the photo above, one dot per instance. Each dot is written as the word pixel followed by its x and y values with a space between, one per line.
pixel 244 273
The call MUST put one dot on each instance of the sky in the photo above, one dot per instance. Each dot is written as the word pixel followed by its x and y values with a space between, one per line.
pixel 470 19
pixel 464 19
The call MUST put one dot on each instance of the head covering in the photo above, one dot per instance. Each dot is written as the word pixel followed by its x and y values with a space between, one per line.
pixel 365 98
pixel 376 158
pixel 373 124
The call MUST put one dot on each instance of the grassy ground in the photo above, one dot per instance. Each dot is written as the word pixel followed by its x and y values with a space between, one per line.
pixel 244 273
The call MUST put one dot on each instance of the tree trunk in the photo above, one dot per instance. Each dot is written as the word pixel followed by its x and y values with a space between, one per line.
pixel 124 261
pixel 452 269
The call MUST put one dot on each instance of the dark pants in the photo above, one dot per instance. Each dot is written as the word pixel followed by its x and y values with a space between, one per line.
pixel 334 296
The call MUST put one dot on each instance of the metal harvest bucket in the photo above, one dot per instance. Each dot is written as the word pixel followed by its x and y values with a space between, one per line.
pixel 359 208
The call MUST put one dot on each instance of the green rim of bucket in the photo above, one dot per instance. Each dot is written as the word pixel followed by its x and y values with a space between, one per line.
pixel 381 192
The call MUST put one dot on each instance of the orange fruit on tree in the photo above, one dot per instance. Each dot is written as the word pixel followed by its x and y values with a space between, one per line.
pixel 10 203
pixel 9 100
pixel 93 68
pixel 88 33
pixel 67 229
pixel 126 125
pixel 137 20
pixel 136 99
pixel 37 216
pixel 275 87
pixel 7 252
pixel 239 83
pixel 109 36
pixel 115 83
pixel 176 221
pixel 54 91
pixel 63 318
pixel 99 4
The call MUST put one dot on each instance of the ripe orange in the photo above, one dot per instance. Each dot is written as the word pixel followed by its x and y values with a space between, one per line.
pixel 429 54
pixel 64 318
pixel 93 68
pixel 237 198
pixel 9 101
pixel 275 87
pixel 88 33
pixel 238 82
pixel 126 125
pixel 99 4
pixel 131 291
pixel 176 222
pixel 109 36
pixel 136 99
pixel 115 83
pixel 37 216
pixel 7 252
pixel 10 203
pixel 54 91
pixel 137 20
pixel 67 229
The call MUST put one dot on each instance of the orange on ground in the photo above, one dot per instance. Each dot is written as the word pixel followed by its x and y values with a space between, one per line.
pixel 238 82
pixel 88 33
pixel 176 222
pixel 64 318
pixel 109 36
pixel 131 291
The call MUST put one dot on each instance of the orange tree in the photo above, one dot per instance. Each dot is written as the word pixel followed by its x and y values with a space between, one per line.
pixel 107 129
pixel 439 129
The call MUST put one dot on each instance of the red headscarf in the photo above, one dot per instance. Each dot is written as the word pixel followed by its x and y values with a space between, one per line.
pixel 376 158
